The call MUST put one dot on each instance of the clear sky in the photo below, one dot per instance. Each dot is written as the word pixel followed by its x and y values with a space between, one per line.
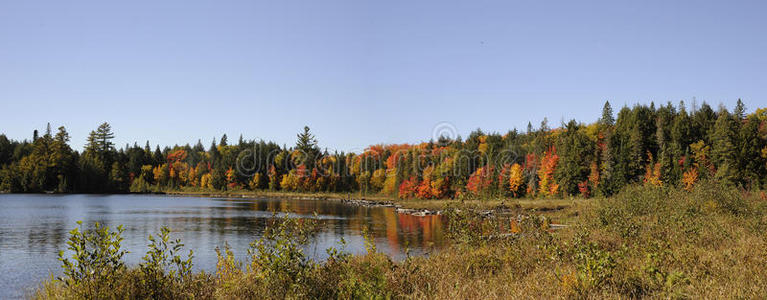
pixel 363 72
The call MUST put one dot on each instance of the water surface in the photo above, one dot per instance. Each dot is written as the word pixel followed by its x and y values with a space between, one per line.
pixel 33 228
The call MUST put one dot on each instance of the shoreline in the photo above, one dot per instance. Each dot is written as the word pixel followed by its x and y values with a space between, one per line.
pixel 356 201
pixel 556 208
pixel 562 209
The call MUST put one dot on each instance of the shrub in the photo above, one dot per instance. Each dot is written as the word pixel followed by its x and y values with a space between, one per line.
pixel 96 261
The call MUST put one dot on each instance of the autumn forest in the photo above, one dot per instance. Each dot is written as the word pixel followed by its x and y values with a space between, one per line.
pixel 666 145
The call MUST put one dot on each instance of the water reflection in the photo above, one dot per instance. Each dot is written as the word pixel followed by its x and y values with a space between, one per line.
pixel 33 228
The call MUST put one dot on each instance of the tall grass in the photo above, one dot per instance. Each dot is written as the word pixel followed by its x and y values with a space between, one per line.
pixel 646 242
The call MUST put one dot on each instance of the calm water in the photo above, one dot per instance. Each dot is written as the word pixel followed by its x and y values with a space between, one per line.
pixel 33 228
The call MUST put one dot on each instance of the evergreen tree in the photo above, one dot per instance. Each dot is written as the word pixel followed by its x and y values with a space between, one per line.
pixel 157 157
pixel 199 147
pixel 306 144
pixel 749 165
pixel 607 115
pixel 213 153
pixel 223 141
pixel 573 149
pixel 62 160
pixel 665 119
pixel 306 141
pixel 103 137
pixel 6 150
pixel 724 151
pixel 147 154
pixel 739 113
pixel 702 124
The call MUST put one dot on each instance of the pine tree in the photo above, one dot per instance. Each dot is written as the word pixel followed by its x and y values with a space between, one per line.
pixel 157 156
pixel 750 168
pixel 703 123
pixel 740 111
pixel 223 141
pixel 213 153
pixel 97 160
pixel 573 148
pixel 103 137
pixel 607 115
pixel 724 152
pixel 306 144
pixel 306 141
pixel 62 160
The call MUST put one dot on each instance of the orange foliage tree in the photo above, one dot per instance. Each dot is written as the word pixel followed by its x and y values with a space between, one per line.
pixel 424 188
pixel 408 188
pixel 594 175
pixel 689 178
pixel 274 178
pixel 547 186
pixel 231 178
pixel 480 180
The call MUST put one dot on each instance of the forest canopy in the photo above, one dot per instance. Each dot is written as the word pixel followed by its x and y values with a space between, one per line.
pixel 664 146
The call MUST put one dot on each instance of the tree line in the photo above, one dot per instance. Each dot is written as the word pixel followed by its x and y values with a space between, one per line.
pixel 644 144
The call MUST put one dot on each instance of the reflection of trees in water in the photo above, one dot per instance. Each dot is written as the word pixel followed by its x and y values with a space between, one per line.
pixel 213 223
pixel 392 234
pixel 382 222
pixel 429 227
pixel 43 237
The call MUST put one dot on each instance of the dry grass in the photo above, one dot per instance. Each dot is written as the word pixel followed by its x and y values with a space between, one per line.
pixel 643 243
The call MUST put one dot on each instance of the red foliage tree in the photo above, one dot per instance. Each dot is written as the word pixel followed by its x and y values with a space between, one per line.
pixel 408 188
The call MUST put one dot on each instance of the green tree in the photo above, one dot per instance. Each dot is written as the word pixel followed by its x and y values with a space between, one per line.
pixel 750 166
pixel 664 123
pixel 574 148
pixel 724 152
pixel 607 115
pixel 62 160
pixel 96 162
pixel 306 144
pixel 223 141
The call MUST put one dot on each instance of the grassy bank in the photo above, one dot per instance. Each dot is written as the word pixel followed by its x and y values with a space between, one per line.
pixel 644 242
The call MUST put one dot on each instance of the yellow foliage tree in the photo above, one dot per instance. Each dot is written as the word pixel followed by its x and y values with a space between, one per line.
pixel 652 172
pixel 205 181
pixel 515 179
pixel 379 178
pixel 290 182
pixel 161 174
pixel 255 182
pixel 390 184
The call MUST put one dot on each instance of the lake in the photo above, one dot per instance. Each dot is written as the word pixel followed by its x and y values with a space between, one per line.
pixel 33 228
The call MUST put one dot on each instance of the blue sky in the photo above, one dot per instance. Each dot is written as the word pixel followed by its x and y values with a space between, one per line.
pixel 363 72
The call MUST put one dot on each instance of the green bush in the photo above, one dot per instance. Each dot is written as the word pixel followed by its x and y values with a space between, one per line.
pixel 96 261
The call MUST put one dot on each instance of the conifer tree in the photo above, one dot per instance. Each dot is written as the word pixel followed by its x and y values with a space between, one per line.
pixel 573 149
pixel 306 143
pixel 724 152
pixel 607 115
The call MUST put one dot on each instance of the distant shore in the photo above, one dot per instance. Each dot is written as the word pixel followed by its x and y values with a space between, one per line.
pixel 418 207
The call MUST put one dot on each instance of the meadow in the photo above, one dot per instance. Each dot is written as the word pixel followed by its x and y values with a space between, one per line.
pixel 644 242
